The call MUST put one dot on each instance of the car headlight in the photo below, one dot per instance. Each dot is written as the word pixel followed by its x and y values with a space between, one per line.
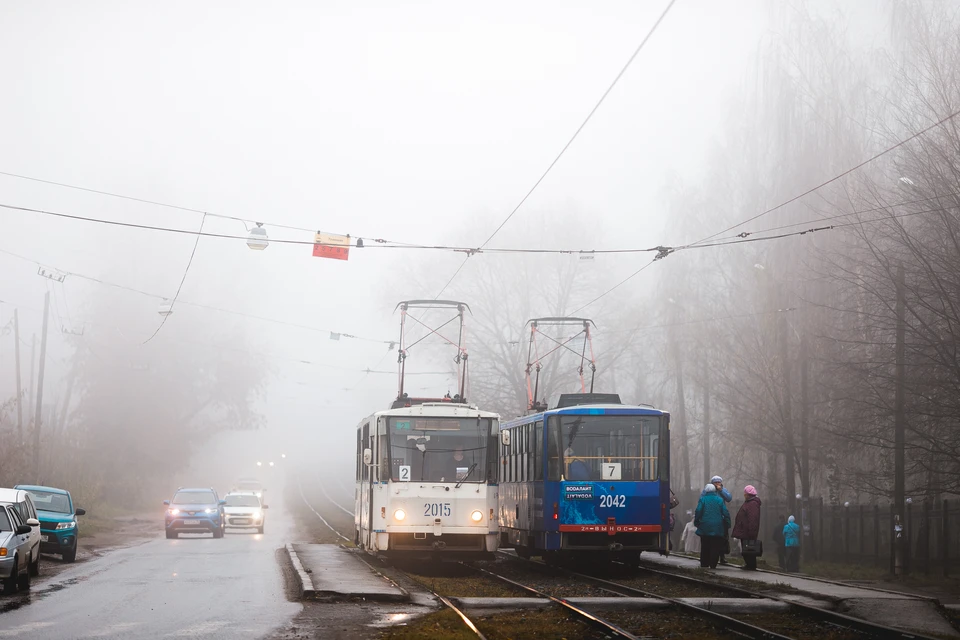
pixel 476 516
pixel 257 513
pixel 66 525
pixel 210 510
pixel 399 514
pixel 173 512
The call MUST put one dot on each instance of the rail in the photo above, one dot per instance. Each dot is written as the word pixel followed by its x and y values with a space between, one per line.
pixel 839 619
pixel 585 615
pixel 737 626
pixel 463 617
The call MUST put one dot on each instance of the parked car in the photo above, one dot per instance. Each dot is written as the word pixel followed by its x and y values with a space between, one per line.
pixel 244 510
pixel 194 511
pixel 15 550
pixel 22 503
pixel 59 530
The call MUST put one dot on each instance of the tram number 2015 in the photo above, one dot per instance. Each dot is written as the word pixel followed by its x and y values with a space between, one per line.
pixel 434 509
pixel 613 501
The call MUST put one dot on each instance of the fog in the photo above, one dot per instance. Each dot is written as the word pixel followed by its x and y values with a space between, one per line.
pixel 427 124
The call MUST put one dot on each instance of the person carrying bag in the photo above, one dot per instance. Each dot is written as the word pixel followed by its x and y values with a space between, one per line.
pixel 747 528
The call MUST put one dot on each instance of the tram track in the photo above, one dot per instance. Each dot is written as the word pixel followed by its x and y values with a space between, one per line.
pixel 834 618
pixel 734 625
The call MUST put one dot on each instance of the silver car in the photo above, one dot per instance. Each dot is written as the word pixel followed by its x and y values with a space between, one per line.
pixel 14 550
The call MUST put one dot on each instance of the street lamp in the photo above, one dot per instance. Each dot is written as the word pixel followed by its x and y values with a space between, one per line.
pixel 271 464
pixel 257 240
pixel 283 455
pixel 259 464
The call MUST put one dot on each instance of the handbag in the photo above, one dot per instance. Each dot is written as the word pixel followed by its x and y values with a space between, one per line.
pixel 751 547
pixel 726 546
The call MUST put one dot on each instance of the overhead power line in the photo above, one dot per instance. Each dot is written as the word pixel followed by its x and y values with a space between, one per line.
pixel 834 178
pixel 576 133
pixel 198 305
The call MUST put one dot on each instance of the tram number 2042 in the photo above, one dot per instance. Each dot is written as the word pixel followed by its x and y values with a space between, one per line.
pixel 434 509
pixel 613 501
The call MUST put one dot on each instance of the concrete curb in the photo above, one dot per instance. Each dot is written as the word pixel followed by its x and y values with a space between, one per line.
pixel 306 588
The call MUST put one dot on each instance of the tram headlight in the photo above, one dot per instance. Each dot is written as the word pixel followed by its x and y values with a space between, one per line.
pixel 476 516
pixel 399 514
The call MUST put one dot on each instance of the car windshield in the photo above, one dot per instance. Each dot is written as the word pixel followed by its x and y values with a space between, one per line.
pixel 47 501
pixel 249 486
pixel 242 501
pixel 194 497
pixel 5 520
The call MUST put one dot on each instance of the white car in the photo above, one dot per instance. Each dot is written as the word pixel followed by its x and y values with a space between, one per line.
pixel 14 551
pixel 243 510
pixel 22 503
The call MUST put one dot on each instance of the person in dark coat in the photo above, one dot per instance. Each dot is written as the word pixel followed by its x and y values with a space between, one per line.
pixel 712 520
pixel 747 526
pixel 779 541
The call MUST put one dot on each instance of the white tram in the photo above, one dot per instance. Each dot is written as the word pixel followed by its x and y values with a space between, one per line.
pixel 426 477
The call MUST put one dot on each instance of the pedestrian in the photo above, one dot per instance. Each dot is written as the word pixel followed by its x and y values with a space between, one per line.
pixel 747 527
pixel 712 520
pixel 717 482
pixel 689 539
pixel 778 540
pixel 791 540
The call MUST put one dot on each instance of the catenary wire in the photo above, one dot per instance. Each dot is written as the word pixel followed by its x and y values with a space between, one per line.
pixel 576 133
pixel 173 301
pixel 835 178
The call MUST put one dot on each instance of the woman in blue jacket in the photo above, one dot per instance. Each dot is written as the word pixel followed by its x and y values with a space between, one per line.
pixel 712 520
pixel 791 540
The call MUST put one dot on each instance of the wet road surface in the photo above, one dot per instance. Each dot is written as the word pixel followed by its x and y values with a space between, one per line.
pixel 193 587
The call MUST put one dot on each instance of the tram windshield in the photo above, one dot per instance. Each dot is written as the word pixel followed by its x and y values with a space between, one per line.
pixel 439 449
pixel 604 447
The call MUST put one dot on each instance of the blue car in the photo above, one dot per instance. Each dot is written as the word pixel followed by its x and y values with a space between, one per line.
pixel 59 529
pixel 194 511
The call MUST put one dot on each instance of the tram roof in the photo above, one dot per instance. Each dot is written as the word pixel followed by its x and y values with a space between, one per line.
pixel 436 410
pixel 587 410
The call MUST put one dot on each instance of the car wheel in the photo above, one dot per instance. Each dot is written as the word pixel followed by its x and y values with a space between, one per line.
pixel 35 565
pixel 218 533
pixel 12 584
pixel 23 582
pixel 260 529
pixel 70 555
pixel 172 535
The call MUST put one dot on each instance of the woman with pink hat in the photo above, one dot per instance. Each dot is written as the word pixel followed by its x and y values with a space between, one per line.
pixel 747 527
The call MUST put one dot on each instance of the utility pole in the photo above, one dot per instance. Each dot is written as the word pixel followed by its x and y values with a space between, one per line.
pixel 900 420
pixel 788 454
pixel 706 425
pixel 16 342
pixel 37 420
pixel 806 546
pixel 33 370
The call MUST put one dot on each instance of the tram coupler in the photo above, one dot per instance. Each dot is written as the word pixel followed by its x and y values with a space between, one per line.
pixel 615 546
pixel 439 545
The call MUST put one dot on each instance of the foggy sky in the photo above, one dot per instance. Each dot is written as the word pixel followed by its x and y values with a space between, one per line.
pixel 420 122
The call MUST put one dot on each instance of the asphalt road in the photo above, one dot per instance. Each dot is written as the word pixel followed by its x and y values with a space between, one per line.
pixel 193 587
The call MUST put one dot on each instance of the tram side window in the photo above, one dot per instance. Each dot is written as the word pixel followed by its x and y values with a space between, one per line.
pixel 359 455
pixel 553 451
pixel 364 443
pixel 538 451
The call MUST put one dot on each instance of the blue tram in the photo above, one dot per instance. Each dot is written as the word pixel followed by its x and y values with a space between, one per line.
pixel 589 477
